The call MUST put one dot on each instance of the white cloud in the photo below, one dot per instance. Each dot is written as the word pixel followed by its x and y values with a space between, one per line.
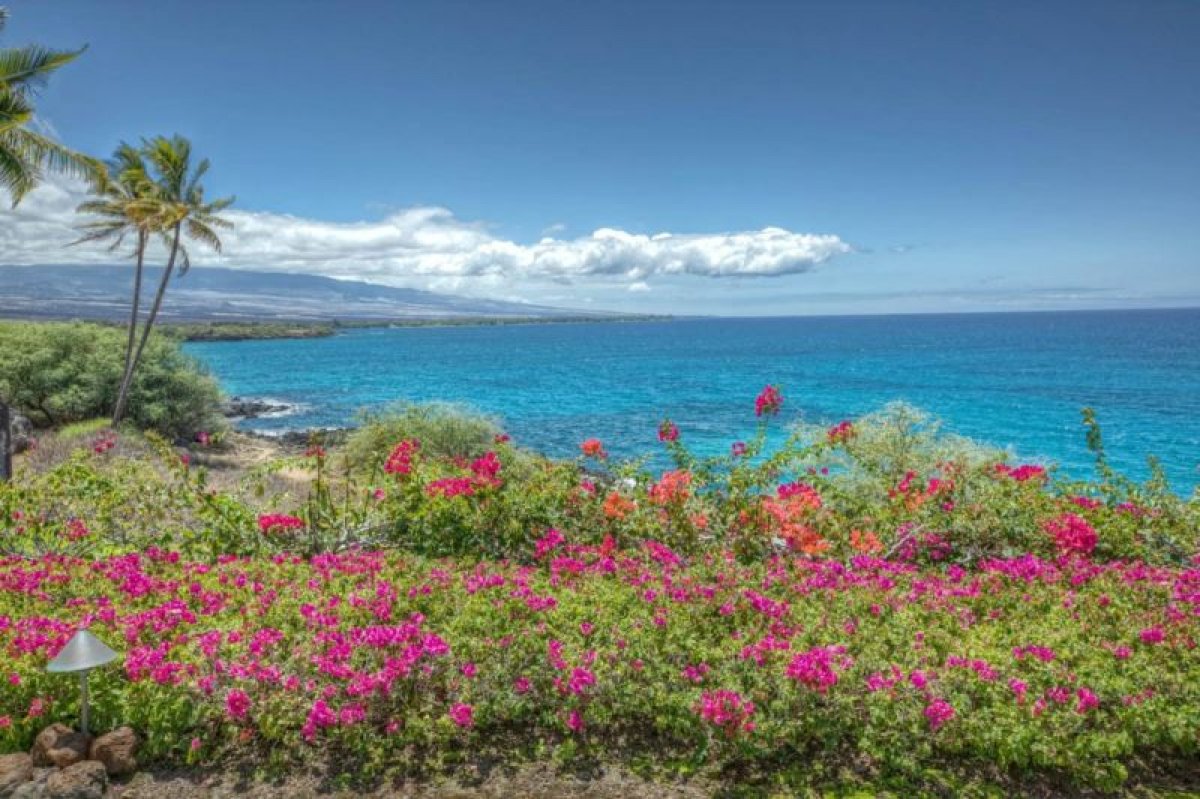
pixel 430 247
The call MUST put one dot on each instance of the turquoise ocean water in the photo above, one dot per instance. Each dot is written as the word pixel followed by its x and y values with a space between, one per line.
pixel 1015 380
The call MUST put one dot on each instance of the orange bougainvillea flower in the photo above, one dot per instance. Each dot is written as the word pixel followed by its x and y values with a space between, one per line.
pixel 617 506
pixel 865 542
pixel 803 538
pixel 785 518
pixel 671 487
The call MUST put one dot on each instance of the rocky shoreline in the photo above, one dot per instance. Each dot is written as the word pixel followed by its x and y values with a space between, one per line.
pixel 240 408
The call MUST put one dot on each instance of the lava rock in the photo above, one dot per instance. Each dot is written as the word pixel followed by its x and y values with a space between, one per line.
pixel 15 771
pixel 86 780
pixel 21 433
pixel 59 745
pixel 250 408
pixel 117 750
pixel 36 787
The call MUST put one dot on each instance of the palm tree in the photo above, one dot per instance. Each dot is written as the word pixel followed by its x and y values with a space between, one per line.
pixel 126 203
pixel 184 212
pixel 24 154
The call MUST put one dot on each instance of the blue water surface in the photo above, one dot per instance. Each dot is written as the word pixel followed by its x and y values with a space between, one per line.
pixel 1016 380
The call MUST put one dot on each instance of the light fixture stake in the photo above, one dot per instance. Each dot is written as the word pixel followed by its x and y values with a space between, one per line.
pixel 82 653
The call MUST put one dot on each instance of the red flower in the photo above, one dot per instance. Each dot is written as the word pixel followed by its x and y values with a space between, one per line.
pixel 450 487
pixel 1021 473
pixel 668 432
pixel 592 448
pixel 671 487
pixel 840 433
pixel 270 523
pixel 400 461
pixel 768 402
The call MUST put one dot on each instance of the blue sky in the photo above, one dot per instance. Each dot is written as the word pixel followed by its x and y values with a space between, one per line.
pixel 956 156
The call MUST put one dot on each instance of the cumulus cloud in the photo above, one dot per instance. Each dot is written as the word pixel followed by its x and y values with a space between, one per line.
pixel 430 247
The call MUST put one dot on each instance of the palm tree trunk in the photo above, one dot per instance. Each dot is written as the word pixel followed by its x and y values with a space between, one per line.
pixel 133 316
pixel 126 384
pixel 5 444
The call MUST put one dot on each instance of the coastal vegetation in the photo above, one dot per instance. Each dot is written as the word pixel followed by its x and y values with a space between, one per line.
pixel 872 604
pixel 245 331
pixel 869 606
pixel 59 373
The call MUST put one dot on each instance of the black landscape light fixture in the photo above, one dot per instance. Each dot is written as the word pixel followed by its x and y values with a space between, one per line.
pixel 82 653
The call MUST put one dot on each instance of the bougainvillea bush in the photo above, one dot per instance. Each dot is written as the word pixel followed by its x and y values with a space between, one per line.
pixel 887 485
pixel 870 600
pixel 794 667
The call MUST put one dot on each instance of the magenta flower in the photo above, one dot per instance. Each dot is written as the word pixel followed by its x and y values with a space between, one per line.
pixel 1087 700
pixel 549 542
pixel 815 668
pixel 668 432
pixel 937 713
pixel 726 710
pixel 463 715
pixel 237 704
pixel 1072 534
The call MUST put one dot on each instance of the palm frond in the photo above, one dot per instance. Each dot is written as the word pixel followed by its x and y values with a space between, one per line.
pixel 15 111
pixel 203 233
pixel 17 175
pixel 24 69
pixel 49 154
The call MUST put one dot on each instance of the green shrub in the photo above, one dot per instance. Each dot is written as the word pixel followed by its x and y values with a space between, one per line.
pixel 444 430
pixel 61 373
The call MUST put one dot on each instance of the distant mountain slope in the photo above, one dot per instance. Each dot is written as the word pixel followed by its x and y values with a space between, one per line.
pixel 213 294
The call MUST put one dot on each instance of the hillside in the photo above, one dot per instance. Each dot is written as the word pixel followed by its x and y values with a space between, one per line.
pixel 215 294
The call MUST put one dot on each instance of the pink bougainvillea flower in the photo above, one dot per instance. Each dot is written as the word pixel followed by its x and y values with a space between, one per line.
pixel 937 713
pixel 727 710
pixel 271 523
pixel 1072 534
pixel 237 704
pixel 768 402
pixel 463 715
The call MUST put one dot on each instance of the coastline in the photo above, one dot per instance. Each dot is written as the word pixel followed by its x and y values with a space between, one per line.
pixel 266 329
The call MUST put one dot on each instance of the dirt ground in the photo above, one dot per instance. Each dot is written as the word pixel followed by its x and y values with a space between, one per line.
pixel 529 782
